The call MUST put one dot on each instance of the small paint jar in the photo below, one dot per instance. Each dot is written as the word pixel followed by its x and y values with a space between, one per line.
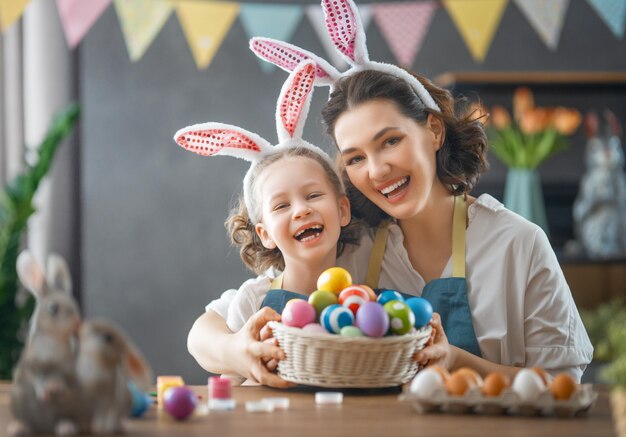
pixel 220 394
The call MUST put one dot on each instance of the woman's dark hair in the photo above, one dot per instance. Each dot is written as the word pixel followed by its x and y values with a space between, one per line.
pixel 462 156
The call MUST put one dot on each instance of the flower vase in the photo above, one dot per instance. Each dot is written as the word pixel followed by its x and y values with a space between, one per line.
pixel 523 195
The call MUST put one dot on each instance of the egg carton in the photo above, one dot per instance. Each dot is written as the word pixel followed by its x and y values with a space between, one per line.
pixel 508 402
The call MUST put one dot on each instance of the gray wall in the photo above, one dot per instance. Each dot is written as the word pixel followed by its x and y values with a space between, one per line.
pixel 153 247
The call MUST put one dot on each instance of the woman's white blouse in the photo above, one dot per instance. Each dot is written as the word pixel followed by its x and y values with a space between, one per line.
pixel 522 308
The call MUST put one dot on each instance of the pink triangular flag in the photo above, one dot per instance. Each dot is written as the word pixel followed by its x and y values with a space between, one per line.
pixel 404 25
pixel 77 17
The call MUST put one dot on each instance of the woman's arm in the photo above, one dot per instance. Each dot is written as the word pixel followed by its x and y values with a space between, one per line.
pixel 218 350
pixel 451 358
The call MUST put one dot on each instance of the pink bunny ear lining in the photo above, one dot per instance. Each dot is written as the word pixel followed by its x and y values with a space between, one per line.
pixel 208 142
pixel 342 24
pixel 294 99
pixel 286 57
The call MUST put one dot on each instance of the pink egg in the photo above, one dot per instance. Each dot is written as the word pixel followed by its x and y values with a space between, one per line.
pixel 353 297
pixel 298 313
pixel 315 328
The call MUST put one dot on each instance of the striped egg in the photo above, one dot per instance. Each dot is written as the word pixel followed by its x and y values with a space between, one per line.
pixel 353 297
pixel 335 317
pixel 389 295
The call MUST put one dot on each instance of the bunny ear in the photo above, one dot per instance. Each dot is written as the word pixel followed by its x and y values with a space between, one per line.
pixel 31 274
pixel 58 274
pixel 136 366
pixel 294 101
pixel 346 30
pixel 288 57
pixel 210 139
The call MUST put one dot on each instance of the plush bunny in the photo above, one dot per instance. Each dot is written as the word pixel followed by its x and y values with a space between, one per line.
pixel 600 207
pixel 210 139
pixel 45 391
pixel 347 33
pixel 107 361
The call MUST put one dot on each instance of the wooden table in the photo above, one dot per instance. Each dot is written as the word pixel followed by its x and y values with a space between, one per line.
pixel 360 415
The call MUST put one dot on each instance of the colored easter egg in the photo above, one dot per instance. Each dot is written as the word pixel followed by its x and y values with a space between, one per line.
pixel 372 319
pixel 389 295
pixel 320 299
pixel 351 331
pixel 334 279
pixel 297 313
pixel 179 402
pixel 141 401
pixel 335 317
pixel 353 297
pixel 401 318
pixel 370 292
pixel 315 328
pixel 422 309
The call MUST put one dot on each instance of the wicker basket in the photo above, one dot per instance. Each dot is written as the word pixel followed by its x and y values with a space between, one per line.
pixel 326 360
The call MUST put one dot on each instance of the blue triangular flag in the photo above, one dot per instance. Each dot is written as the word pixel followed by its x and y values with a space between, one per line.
pixel 271 21
pixel 613 13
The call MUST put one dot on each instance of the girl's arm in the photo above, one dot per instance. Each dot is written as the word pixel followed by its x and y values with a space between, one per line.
pixel 218 350
pixel 451 358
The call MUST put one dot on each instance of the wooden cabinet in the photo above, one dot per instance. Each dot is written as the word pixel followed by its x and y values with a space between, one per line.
pixel 593 283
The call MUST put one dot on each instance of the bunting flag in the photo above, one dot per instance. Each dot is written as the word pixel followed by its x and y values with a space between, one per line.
pixel 77 17
pixel 404 25
pixel 271 21
pixel 546 17
pixel 317 20
pixel 613 13
pixel 477 21
pixel 141 21
pixel 205 25
pixel 11 11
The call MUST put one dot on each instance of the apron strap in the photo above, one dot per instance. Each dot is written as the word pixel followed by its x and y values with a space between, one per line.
pixel 376 257
pixel 277 283
pixel 459 221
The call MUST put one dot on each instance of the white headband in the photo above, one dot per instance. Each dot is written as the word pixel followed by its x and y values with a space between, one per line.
pixel 208 139
pixel 348 36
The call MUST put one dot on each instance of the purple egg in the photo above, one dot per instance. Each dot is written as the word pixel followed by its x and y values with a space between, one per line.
pixel 372 319
pixel 179 402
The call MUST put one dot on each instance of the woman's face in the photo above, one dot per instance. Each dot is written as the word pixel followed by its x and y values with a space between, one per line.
pixel 390 157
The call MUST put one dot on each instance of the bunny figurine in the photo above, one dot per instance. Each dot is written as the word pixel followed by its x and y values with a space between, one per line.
pixel 107 361
pixel 600 207
pixel 45 392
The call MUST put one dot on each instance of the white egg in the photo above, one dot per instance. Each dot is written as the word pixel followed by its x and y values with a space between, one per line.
pixel 426 383
pixel 528 385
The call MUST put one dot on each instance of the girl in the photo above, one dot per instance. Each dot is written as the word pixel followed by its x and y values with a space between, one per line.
pixel 407 156
pixel 292 218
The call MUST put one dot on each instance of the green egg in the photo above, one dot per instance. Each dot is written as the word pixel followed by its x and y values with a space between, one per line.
pixel 320 299
pixel 351 331
pixel 401 318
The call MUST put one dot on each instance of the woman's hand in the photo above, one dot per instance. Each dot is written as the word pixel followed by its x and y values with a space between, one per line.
pixel 437 351
pixel 250 352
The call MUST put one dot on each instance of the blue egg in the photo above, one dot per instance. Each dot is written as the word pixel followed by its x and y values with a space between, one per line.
pixel 335 317
pixel 389 295
pixel 141 401
pixel 422 309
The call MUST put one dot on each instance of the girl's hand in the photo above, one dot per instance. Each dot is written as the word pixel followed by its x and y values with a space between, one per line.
pixel 250 352
pixel 437 351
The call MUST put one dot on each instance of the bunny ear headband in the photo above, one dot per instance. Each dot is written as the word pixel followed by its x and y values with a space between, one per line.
pixel 209 139
pixel 348 35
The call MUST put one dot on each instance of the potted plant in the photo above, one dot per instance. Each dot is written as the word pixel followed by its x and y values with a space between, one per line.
pixel 16 206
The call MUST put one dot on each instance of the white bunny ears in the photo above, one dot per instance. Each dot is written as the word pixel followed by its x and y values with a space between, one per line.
pixel 210 139
pixel 348 35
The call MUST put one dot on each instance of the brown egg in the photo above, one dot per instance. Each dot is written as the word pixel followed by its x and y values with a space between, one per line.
pixel 545 377
pixel 474 378
pixel 443 372
pixel 494 384
pixel 563 386
pixel 457 384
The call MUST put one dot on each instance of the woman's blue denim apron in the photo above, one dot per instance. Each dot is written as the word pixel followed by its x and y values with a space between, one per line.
pixel 448 296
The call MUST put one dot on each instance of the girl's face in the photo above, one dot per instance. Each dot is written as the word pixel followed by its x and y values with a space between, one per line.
pixel 301 213
pixel 390 157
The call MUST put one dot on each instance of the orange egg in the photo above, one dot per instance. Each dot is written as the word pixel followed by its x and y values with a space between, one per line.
pixel 563 386
pixel 457 384
pixel 494 384
pixel 545 377
pixel 370 292
pixel 443 372
pixel 473 376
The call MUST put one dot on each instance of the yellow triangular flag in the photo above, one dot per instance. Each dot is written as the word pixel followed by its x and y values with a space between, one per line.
pixel 477 21
pixel 11 11
pixel 141 21
pixel 205 25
